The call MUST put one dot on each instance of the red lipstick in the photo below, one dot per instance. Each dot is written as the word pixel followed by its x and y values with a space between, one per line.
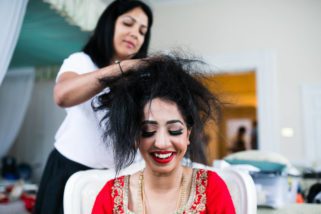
pixel 163 157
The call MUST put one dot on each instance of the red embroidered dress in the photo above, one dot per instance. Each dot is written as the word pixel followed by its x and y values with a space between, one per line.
pixel 209 194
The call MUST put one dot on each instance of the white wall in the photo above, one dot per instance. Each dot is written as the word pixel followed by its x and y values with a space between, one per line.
pixel 290 28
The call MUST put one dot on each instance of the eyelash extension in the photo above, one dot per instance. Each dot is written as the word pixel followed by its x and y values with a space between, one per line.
pixel 146 134
pixel 176 132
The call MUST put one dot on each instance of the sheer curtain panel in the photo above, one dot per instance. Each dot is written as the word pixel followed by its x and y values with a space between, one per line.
pixel 15 93
pixel 84 13
pixel 11 17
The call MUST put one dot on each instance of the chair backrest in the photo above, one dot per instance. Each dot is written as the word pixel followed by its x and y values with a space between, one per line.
pixel 242 189
pixel 82 188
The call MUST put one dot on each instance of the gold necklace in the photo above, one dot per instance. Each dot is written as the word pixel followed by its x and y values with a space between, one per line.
pixel 142 199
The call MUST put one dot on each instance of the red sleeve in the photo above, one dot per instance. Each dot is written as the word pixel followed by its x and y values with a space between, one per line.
pixel 218 198
pixel 104 202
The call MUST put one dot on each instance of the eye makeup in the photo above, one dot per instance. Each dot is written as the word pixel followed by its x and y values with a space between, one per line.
pixel 146 134
pixel 149 128
pixel 175 132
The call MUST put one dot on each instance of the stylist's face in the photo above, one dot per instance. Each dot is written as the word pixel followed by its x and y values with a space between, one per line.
pixel 130 30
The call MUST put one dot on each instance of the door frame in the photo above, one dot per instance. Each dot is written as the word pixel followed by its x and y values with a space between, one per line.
pixel 264 64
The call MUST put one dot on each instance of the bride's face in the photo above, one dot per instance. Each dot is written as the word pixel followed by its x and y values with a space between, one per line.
pixel 164 136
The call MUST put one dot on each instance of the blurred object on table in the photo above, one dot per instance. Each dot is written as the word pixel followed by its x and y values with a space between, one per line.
pixel 277 181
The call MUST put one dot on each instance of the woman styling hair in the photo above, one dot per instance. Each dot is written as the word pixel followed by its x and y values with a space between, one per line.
pixel 122 35
pixel 160 108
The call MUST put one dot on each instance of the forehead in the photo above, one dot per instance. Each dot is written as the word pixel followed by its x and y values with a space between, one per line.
pixel 137 14
pixel 162 110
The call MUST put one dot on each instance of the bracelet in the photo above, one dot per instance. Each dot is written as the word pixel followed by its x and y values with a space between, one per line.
pixel 120 68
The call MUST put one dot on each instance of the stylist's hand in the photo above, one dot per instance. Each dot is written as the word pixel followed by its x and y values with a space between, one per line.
pixel 129 64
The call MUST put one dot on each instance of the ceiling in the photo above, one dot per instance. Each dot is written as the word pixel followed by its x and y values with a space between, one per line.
pixel 45 38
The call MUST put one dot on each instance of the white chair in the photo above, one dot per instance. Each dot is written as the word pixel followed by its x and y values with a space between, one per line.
pixel 242 189
pixel 82 188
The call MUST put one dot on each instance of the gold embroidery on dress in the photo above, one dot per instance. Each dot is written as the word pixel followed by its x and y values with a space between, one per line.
pixel 196 202
pixel 117 194
pixel 199 200
pixel 125 196
pixel 192 192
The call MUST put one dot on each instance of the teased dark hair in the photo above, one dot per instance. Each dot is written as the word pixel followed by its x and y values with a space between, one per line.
pixel 169 77
pixel 100 46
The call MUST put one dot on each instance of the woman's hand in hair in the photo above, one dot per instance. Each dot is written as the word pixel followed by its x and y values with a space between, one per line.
pixel 125 65
pixel 73 88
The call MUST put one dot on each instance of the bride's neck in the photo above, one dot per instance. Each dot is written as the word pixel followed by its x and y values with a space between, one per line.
pixel 162 181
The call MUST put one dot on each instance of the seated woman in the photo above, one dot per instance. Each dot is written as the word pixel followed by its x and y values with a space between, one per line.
pixel 160 107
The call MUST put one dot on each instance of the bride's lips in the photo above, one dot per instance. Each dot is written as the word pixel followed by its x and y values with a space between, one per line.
pixel 163 157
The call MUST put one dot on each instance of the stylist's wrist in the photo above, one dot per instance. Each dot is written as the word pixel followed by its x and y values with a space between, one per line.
pixel 117 62
pixel 129 63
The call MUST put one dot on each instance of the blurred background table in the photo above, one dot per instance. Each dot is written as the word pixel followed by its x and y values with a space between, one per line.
pixel 16 207
pixel 292 209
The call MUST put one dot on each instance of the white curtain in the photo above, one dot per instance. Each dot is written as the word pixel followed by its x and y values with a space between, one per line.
pixel 82 13
pixel 15 93
pixel 11 16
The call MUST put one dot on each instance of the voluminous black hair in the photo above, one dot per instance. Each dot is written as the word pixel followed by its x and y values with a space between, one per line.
pixel 100 46
pixel 169 77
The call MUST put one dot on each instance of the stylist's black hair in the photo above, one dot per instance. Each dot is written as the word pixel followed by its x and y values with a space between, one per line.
pixel 100 46
pixel 172 78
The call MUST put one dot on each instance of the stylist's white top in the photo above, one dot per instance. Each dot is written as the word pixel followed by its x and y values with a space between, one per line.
pixel 79 137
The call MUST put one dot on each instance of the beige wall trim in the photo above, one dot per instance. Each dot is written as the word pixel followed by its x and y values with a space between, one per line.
pixel 264 64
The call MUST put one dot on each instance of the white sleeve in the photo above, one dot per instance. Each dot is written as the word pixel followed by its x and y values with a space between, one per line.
pixel 79 63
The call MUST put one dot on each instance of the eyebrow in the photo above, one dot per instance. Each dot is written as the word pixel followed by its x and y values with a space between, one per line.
pixel 174 121
pixel 155 123
pixel 132 18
